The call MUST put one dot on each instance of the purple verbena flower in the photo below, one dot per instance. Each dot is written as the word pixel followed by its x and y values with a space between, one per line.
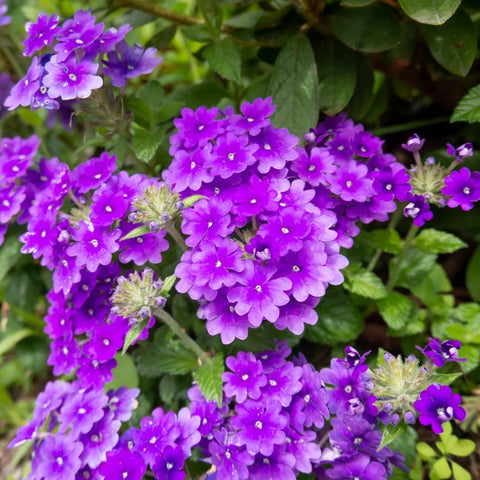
pixel 414 143
pixel 442 352
pixel 461 152
pixel 464 188
pixel 41 33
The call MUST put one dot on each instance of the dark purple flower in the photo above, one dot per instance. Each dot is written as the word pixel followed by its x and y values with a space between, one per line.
pixel 414 143
pixel 438 404
pixel 442 352
pixel 129 62
pixel 123 464
pixel 418 209
pixel 464 188
pixel 255 116
pixel 94 172
pixel 361 467
pixel 169 465
pixel 461 152
pixel 41 33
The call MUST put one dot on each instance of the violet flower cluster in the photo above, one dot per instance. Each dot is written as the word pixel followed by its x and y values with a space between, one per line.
pixel 433 184
pixel 72 59
pixel 265 240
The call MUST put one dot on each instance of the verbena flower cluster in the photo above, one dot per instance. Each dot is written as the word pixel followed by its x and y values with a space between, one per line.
pixel 73 61
pixel 265 240
pixel 433 184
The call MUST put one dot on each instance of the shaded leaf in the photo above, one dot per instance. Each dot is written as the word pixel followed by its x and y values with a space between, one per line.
pixel 207 93
pixel 468 109
pixel 454 44
pixel 473 275
pixel 396 309
pixel 124 374
pixel 370 29
pixel 294 87
pixel 224 58
pixel 209 379
pixel 337 76
pixel 142 113
pixel 387 240
pixel 211 12
pixel 414 265
pixel 362 98
pixel 9 341
pixel 9 254
pixel 432 12
pixel 162 38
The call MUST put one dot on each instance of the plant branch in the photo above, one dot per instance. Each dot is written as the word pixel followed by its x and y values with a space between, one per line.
pixel 184 337
pixel 158 11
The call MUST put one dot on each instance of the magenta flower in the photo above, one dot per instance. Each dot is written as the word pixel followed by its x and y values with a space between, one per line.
pixel 23 91
pixel 41 33
pixel 442 352
pixel 464 188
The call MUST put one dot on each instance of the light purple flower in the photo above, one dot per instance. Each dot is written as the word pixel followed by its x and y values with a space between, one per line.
pixel 41 33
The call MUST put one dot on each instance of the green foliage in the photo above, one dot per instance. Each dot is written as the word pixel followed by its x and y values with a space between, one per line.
pixel 434 241
pixel 392 432
pixel 396 309
pixel 432 12
pixel 388 240
pixel 362 282
pixel 468 109
pixel 209 379
pixel 224 58
pixel 294 87
pixel 473 275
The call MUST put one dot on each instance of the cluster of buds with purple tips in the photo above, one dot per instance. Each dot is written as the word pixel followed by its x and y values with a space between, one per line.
pixel 441 186
pixel 136 296
pixel 71 68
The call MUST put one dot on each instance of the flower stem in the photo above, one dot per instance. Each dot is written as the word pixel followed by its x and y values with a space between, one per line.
pixel 409 126
pixel 171 229
pixel 203 358
pixel 412 232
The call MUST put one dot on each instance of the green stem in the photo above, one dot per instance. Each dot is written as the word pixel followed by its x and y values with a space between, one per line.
pixel 410 126
pixel 158 11
pixel 6 53
pixel 176 236
pixel 203 358
pixel 401 256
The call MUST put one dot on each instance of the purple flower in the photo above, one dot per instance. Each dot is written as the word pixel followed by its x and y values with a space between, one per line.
pixel 123 464
pixel 4 19
pixel 438 404
pixel 414 143
pixel 41 33
pixel 169 464
pixel 442 352
pixel 361 466
pixel 461 152
pixel 255 116
pixel 418 209
pixel 71 78
pixel 464 188
pixel 94 172
pixel 23 91
pixel 351 181
pixel 129 62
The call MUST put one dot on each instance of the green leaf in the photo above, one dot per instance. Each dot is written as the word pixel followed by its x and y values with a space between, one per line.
pixel 472 275
pixel 12 339
pixel 432 12
pixel 294 87
pixel 362 98
pixel 136 232
pixel 201 33
pixel 153 359
pixel 414 266
pixel 426 451
pixel 459 473
pixel 356 3
pixel 168 283
pixel 468 109
pixel 142 113
pixel 162 38
pixel 209 379
pixel 191 200
pixel 445 378
pixel 145 144
pixel 387 240
pixel 212 13
pixel 207 93
pixel 9 254
pixel 460 447
pixel 435 241
pixel 428 289
pixel 396 309
pixel 133 334
pixel 392 432
pixel 453 44
pixel 124 374
pixel 441 468
pixel 472 354
pixel 153 94
pixel 337 75
pixel 338 319
pixel 224 58
pixel 364 283
pixel 370 29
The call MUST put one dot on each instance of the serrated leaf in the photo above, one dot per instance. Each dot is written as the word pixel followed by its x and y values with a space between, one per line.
pixel 294 87
pixel 153 94
pixel 338 319
pixel 391 432
pixel 468 109
pixel 142 113
pixel 364 283
pixel 454 44
pixel 387 240
pixel 224 58
pixel 337 75
pixel 133 334
pixel 153 359
pixel 136 232
pixel 472 275
pixel 145 144
pixel 441 468
pixel 370 29
pixel 396 309
pixel 435 241
pixel 432 12
pixel 414 265
pixel 211 12
pixel 459 473
pixel 209 379
pixel 426 451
